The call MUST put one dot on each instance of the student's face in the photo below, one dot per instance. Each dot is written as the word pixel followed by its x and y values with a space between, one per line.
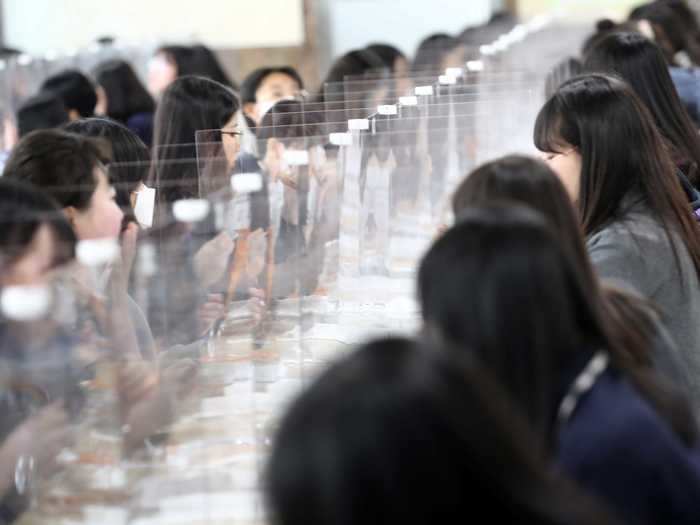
pixel 31 267
pixel 161 73
pixel 272 89
pixel 454 58
pixel 402 70
pixel 231 140
pixel 103 217
pixel 567 166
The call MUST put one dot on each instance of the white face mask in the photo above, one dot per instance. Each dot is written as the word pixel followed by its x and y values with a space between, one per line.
pixel 145 204
pixel 25 303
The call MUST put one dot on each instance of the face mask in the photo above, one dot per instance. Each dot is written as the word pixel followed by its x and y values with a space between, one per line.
pixel 25 303
pixel 145 204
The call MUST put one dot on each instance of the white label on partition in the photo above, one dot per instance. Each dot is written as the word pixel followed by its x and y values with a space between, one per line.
pixel 447 80
pixel 424 91
pixel 358 124
pixel 295 157
pixel 475 65
pixel 340 139
pixel 388 110
pixel 145 205
pixel 455 72
pixel 408 101
pixel 190 210
pixel 246 182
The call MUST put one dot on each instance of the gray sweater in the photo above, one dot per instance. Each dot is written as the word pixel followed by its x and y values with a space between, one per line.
pixel 636 253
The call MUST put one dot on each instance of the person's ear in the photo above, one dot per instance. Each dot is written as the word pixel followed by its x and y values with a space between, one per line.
pixel 251 110
pixel 70 212
pixel 73 115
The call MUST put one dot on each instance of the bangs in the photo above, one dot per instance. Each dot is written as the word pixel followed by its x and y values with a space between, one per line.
pixel 547 135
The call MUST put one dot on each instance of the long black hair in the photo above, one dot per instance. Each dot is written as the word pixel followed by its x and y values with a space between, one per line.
pixel 196 60
pixel 499 284
pixel 624 158
pixel 641 63
pixel 126 95
pixel 396 433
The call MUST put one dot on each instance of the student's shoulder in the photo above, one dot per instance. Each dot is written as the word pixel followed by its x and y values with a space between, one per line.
pixel 614 424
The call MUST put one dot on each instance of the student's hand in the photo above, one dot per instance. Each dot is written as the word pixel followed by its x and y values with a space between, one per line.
pixel 210 312
pixel 179 378
pixel 158 408
pixel 137 381
pixel 41 437
pixel 121 269
pixel 211 261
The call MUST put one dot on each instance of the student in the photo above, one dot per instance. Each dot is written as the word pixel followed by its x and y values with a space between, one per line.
pixel 303 200
pixel 266 86
pixel 42 111
pixel 172 62
pixel 190 105
pixel 77 92
pixel 632 321
pixel 124 99
pixel 641 64
pixel 129 160
pixel 43 360
pixel 70 169
pixel 601 141
pixel 396 434
pixel 499 285
pixel 30 231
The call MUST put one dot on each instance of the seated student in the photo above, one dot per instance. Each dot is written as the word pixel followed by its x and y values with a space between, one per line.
pixel 396 434
pixel 266 86
pixel 42 111
pixel 38 354
pixel 633 322
pixel 191 105
pixel 69 169
pixel 122 97
pixel 499 285
pixel 129 161
pixel 600 140
pixel 641 64
pixel 303 199
pixel 77 92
